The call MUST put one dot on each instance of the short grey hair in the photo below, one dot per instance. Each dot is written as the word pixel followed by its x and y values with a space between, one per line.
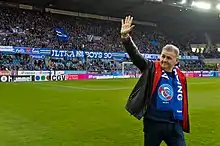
pixel 172 48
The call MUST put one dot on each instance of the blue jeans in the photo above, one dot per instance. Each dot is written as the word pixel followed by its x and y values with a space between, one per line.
pixel 155 132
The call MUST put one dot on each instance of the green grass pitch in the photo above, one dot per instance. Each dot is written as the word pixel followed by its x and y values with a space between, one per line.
pixel 91 113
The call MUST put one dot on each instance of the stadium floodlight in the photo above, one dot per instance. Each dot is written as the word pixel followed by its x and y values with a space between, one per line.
pixel 183 2
pixel 218 7
pixel 155 0
pixel 201 5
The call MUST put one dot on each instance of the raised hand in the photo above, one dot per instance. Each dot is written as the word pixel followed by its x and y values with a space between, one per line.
pixel 126 26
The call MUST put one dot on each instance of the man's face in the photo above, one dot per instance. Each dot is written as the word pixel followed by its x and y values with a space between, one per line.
pixel 168 60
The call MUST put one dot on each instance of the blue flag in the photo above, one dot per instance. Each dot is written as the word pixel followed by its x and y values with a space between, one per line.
pixel 61 34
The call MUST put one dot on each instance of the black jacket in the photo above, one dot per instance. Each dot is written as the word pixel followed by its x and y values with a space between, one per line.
pixel 140 96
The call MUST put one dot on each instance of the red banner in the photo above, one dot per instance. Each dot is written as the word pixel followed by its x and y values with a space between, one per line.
pixel 7 73
pixel 77 76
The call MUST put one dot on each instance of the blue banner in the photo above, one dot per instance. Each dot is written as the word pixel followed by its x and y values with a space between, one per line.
pixel 157 56
pixel 42 52
pixel 80 54
pixel 189 57
pixel 6 49
pixel 21 50
pixel 26 50
pixel 118 55
pixel 147 56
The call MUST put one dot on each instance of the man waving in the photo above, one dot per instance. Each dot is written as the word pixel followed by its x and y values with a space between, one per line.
pixel 160 96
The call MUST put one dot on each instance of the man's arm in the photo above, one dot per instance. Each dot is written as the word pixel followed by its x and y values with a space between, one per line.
pixel 129 45
pixel 134 54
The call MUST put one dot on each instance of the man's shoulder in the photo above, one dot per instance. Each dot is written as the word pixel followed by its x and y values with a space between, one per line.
pixel 182 75
pixel 156 64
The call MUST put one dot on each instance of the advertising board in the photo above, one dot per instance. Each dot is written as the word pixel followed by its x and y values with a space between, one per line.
pixel 7 73
pixel 77 76
pixel 60 77
pixel 16 78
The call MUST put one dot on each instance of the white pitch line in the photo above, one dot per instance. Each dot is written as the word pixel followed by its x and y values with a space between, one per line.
pixel 107 89
pixel 85 88
pixel 201 83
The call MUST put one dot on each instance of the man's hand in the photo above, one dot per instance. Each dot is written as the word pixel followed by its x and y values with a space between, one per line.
pixel 126 26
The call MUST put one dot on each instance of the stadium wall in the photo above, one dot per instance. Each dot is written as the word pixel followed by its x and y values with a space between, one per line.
pixel 39 76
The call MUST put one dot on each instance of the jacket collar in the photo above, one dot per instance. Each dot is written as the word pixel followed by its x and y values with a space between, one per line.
pixel 158 73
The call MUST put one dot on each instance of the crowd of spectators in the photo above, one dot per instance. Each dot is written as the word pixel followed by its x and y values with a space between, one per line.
pixel 24 62
pixel 29 28
pixel 36 29
pixel 21 62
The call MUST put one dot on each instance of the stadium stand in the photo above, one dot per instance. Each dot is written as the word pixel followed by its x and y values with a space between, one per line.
pixel 36 29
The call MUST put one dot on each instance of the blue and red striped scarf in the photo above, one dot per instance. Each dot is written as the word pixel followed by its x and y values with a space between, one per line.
pixel 170 95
